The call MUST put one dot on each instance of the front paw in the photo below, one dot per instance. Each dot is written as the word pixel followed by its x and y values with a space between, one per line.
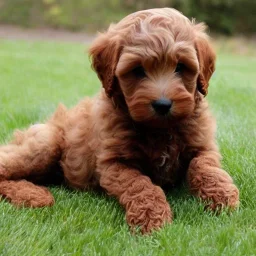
pixel 216 188
pixel 224 196
pixel 148 211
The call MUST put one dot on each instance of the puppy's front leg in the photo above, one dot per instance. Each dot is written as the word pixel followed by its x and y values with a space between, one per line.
pixel 212 184
pixel 145 203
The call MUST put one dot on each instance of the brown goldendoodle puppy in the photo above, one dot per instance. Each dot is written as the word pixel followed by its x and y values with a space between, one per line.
pixel 150 127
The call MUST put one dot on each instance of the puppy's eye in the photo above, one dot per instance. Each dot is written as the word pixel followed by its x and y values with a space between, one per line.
pixel 139 72
pixel 179 68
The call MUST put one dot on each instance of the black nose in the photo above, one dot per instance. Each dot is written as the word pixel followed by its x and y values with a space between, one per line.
pixel 162 106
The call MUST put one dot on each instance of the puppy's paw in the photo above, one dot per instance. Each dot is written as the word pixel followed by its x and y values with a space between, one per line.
pixel 148 212
pixel 24 193
pixel 216 188
pixel 226 195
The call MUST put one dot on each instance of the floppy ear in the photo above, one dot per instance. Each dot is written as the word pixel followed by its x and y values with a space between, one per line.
pixel 105 53
pixel 206 57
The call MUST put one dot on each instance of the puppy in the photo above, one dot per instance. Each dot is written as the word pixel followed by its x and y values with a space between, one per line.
pixel 148 128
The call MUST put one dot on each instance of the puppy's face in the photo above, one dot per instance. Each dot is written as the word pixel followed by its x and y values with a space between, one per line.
pixel 158 77
pixel 158 61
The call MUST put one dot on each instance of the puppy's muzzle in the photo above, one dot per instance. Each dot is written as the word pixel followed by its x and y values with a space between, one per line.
pixel 162 106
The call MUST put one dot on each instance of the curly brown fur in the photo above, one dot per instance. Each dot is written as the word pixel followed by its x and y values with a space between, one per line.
pixel 119 140
pixel 25 193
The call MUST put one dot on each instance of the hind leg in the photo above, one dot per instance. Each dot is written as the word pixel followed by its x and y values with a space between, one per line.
pixel 31 154
pixel 25 193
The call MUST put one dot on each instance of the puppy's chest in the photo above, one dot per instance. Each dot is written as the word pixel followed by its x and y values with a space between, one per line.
pixel 162 158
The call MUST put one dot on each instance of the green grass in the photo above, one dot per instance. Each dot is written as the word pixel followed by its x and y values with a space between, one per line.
pixel 35 77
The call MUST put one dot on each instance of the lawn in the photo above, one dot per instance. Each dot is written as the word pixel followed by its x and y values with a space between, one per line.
pixel 36 76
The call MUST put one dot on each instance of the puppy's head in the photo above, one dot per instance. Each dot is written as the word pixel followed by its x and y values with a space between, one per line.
pixel 157 61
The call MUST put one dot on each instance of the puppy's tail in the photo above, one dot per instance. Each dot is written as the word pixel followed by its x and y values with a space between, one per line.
pixel 59 118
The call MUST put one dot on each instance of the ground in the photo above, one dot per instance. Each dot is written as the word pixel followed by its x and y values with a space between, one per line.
pixel 36 74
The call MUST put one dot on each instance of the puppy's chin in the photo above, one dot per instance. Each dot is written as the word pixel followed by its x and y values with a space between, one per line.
pixel 158 123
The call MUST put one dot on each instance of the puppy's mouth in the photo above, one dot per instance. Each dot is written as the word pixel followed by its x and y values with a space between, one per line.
pixel 162 116
pixel 156 117
pixel 159 113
